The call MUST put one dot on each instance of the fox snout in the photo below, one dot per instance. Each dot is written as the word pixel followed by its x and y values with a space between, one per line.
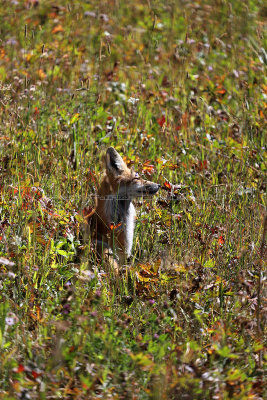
pixel 140 189
pixel 150 189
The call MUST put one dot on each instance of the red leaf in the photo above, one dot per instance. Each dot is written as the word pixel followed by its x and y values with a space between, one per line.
pixel 20 368
pixel 71 349
pixel 167 185
pixel 35 374
pixel 161 121
pixel 220 90
pixel 221 240
pixel 113 227
pixel 202 165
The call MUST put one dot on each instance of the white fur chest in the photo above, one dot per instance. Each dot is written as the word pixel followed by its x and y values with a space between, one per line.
pixel 129 228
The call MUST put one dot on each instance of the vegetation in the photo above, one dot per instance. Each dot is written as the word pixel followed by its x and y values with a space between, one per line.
pixel 179 88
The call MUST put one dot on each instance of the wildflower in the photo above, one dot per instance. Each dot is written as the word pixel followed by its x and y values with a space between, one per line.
pixel 133 100
pixel 10 321
pixel 93 314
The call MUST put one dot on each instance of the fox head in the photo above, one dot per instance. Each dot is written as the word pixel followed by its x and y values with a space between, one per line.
pixel 124 181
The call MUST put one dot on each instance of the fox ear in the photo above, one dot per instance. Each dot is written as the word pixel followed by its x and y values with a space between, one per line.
pixel 114 162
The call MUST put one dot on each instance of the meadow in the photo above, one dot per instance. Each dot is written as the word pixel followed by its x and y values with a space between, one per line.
pixel 179 89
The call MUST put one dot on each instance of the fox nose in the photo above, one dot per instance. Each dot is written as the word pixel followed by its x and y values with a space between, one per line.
pixel 156 187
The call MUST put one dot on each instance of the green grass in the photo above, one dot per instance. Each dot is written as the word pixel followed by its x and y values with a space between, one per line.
pixel 186 320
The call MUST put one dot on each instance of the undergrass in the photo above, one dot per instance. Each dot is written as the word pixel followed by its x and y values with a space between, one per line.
pixel 179 89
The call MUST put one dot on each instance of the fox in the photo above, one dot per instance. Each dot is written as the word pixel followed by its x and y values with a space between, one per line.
pixel 112 221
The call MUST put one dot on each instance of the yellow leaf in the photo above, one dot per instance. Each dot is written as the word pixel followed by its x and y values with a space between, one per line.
pixel 74 118
pixel 179 268
pixel 28 56
pixel 31 227
pixel 42 74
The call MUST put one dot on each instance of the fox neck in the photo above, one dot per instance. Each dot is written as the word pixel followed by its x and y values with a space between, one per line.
pixel 121 212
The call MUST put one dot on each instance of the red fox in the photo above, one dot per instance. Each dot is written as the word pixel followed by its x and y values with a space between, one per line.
pixel 113 219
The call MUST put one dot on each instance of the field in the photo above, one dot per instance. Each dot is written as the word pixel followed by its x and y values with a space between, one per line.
pixel 179 89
